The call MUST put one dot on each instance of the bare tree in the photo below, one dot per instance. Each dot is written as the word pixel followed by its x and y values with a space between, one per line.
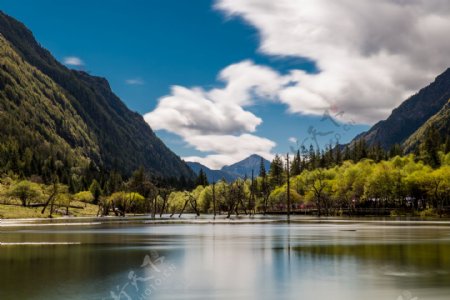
pixel 190 199
pixel 214 197
pixel 288 191
pixel 51 198
pixel 164 194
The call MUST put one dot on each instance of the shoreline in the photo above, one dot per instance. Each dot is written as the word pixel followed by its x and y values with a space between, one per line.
pixel 208 219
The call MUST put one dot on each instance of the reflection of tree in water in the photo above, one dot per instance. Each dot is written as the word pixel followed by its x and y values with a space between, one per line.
pixel 432 256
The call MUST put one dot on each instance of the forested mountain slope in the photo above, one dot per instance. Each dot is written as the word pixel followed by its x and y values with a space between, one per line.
pixel 440 123
pixel 85 117
pixel 410 115
pixel 39 126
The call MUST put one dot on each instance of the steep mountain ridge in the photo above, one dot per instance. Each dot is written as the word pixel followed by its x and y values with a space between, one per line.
pixel 440 121
pixel 124 141
pixel 35 114
pixel 409 116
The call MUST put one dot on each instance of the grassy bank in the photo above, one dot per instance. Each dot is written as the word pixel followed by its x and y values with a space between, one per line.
pixel 78 209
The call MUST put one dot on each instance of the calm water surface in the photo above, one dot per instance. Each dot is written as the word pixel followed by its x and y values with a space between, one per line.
pixel 226 261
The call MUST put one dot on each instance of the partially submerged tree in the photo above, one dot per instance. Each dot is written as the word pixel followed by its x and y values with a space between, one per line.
pixel 122 203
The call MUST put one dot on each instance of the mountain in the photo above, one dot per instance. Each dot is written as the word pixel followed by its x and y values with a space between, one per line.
pixel 38 120
pixel 244 167
pixel 413 113
pixel 75 116
pixel 212 175
pixel 440 121
pixel 237 170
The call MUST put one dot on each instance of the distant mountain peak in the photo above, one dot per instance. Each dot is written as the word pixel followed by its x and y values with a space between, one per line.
pixel 245 167
pixel 212 175
pixel 240 169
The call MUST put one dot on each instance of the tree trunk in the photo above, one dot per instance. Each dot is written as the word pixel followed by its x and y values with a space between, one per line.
pixel 50 199
pixel 184 207
pixel 214 199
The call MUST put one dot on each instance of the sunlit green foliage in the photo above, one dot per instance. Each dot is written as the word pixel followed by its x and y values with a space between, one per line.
pixel 84 196
pixel 25 191
pixel 122 203
pixel 403 183
pixel 57 122
pixel 41 132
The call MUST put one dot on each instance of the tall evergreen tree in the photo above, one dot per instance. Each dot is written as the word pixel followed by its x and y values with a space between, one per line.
pixel 376 152
pixel 430 147
pixel 264 189
pixel 363 148
pixel 262 169
pixel 338 154
pixel 329 158
pixel 96 190
pixel 296 164
pixel 201 178
pixel 395 150
pixel 141 183
pixel 347 155
pixel 447 144
pixel 312 159
pixel 276 171
pixel 114 183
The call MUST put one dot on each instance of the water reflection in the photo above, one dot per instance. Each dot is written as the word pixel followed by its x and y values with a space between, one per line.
pixel 225 261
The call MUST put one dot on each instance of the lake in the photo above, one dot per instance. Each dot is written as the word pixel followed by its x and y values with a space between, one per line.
pixel 238 259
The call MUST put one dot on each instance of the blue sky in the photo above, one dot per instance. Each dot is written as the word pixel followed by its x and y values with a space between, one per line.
pixel 145 47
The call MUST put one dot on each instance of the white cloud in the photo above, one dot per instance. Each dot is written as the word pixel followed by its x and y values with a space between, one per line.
pixel 292 140
pixel 73 61
pixel 135 81
pixel 371 54
pixel 245 81
pixel 229 149
pixel 216 120
pixel 190 112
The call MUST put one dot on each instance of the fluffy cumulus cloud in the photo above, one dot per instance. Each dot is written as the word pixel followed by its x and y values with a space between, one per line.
pixel 370 54
pixel 73 61
pixel 216 120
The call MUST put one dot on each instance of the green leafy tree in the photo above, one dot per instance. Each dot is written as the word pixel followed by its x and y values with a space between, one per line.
pixel 26 191
pixel 84 196
pixel 122 203
pixel 319 186
pixel 205 199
